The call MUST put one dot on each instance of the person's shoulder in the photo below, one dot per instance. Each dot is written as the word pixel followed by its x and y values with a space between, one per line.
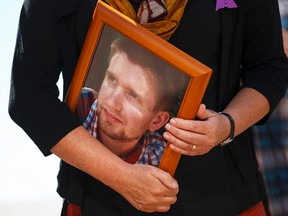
pixel 86 99
pixel 89 92
pixel 42 7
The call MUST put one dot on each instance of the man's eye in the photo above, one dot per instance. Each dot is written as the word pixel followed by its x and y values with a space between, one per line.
pixel 112 81
pixel 133 95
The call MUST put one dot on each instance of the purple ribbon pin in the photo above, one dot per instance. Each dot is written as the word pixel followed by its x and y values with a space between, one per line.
pixel 225 3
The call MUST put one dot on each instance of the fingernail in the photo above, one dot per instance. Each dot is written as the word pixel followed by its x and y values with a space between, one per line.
pixel 168 126
pixel 166 136
pixel 172 121
pixel 174 184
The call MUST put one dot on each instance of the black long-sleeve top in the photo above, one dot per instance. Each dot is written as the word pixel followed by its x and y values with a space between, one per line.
pixel 242 45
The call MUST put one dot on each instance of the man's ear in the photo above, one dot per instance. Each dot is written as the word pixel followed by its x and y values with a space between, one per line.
pixel 160 119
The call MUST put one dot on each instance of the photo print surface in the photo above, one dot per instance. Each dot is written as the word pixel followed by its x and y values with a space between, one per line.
pixel 127 85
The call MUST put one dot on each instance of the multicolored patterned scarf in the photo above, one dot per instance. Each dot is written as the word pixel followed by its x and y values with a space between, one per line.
pixel 159 16
pixel 150 10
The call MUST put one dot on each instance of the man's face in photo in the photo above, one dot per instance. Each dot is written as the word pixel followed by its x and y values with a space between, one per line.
pixel 126 100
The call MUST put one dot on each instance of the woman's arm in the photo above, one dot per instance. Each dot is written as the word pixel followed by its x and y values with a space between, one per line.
pixel 147 188
pixel 247 108
pixel 35 107
pixel 264 78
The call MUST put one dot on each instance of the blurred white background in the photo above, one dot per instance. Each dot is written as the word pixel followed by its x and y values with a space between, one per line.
pixel 27 179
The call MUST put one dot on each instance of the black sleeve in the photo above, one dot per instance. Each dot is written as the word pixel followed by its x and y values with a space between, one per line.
pixel 34 103
pixel 265 64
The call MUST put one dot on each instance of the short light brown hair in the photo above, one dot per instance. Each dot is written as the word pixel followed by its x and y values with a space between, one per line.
pixel 169 83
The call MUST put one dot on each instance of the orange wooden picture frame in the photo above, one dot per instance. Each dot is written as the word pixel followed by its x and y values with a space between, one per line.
pixel 199 74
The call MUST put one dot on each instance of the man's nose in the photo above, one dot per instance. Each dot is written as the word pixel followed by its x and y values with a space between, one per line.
pixel 115 99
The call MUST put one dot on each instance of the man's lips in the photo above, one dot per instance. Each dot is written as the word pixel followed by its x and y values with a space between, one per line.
pixel 111 117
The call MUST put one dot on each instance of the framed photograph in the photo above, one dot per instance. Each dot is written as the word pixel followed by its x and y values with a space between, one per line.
pixel 134 77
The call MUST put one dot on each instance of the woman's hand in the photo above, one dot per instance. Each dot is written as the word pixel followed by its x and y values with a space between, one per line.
pixel 148 188
pixel 197 137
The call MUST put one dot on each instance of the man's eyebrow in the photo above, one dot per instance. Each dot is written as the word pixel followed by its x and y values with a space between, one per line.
pixel 110 75
pixel 129 89
pixel 108 72
pixel 135 93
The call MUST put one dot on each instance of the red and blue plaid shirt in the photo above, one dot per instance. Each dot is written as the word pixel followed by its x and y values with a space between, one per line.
pixel 153 144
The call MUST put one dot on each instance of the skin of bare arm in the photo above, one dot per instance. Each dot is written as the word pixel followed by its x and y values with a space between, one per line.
pixel 147 188
pixel 247 108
